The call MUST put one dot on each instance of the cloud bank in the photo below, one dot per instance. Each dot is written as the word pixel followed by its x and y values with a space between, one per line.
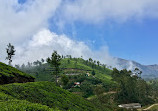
pixel 27 25
pixel 95 11
pixel 45 42
pixel 18 22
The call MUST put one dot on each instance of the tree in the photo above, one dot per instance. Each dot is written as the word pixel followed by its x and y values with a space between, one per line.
pixel 93 72
pixel 17 66
pixel 90 60
pixel 39 63
pixel 98 90
pixel 10 51
pixel 28 64
pixel 104 66
pixel 137 72
pixel 42 60
pixel 23 66
pixel 98 63
pixel 64 80
pixel 35 63
pixel 131 88
pixel 54 62
pixel 68 61
pixel 87 88
pixel 75 64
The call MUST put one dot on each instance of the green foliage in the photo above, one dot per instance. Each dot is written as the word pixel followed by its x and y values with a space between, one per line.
pixel 154 89
pixel 46 94
pixel 87 88
pixel 9 74
pixel 64 79
pixel 22 105
pixel 131 87
pixel 105 101
pixel 10 51
pixel 154 108
pixel 98 90
pixel 76 65
pixel 54 61
pixel 93 72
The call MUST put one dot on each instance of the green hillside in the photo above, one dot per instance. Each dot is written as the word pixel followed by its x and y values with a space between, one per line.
pixel 41 96
pixel 10 74
pixel 86 66
pixel 76 70
pixel 42 72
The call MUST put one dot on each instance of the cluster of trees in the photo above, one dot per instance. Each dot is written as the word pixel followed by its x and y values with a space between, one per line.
pixel 131 87
pixel 87 84
pixel 94 64
pixel 30 64
pixel 154 88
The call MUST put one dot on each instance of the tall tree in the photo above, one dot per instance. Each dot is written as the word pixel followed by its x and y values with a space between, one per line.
pixel 90 60
pixel 93 72
pixel 54 61
pixel 98 63
pixel 42 60
pixel 10 51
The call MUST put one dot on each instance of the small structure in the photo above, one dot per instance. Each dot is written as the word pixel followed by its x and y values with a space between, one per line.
pixel 76 84
pixel 130 106
pixel 87 74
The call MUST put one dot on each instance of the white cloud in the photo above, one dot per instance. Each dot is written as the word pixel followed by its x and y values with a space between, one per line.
pixel 94 11
pixel 18 22
pixel 45 42
pixel 26 25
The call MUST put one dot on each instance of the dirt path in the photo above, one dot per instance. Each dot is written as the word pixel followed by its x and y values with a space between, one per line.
pixel 105 93
pixel 110 92
pixel 148 108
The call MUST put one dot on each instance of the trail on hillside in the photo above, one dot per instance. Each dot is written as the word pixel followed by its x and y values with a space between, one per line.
pixel 146 109
pixel 105 93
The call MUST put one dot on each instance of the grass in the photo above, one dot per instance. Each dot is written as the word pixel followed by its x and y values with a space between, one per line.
pixel 154 108
pixel 10 103
pixel 10 74
pixel 6 70
pixel 38 95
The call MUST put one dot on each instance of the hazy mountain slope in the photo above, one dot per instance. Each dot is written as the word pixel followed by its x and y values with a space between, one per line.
pixel 149 71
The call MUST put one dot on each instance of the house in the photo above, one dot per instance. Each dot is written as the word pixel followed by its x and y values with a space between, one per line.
pixel 87 74
pixel 76 84
pixel 130 106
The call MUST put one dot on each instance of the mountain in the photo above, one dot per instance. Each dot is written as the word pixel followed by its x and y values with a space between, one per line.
pixel 148 71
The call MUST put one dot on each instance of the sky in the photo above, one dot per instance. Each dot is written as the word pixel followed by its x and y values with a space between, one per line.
pixel 100 29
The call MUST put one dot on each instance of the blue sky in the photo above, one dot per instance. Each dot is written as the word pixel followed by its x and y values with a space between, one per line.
pixel 131 40
pixel 101 29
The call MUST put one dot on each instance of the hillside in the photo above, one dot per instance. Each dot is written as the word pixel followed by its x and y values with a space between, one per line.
pixel 76 70
pixel 148 71
pixel 42 96
pixel 42 72
pixel 10 74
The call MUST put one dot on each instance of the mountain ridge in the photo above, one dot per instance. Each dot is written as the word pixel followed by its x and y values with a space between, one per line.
pixel 148 71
